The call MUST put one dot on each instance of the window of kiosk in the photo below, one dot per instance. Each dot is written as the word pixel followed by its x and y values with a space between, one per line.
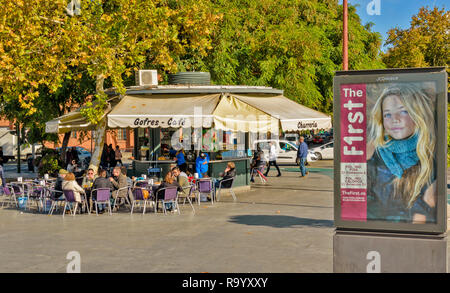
pixel 143 144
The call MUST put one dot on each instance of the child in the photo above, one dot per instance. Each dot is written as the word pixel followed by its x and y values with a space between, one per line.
pixel 400 153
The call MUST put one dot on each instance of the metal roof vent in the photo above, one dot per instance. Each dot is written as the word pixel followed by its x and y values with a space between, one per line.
pixel 190 78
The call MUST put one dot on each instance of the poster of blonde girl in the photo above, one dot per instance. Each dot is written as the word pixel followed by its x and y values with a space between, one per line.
pixel 401 181
pixel 390 149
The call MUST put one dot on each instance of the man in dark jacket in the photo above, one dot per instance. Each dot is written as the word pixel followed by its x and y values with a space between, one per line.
pixel 302 153
pixel 58 184
pixel 100 182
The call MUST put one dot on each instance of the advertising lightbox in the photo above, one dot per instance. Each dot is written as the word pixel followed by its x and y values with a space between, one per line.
pixel 391 150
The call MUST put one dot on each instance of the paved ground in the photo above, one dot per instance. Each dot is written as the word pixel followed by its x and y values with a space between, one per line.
pixel 283 226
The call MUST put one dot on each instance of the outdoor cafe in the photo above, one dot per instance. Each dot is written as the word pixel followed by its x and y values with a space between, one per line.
pixel 221 121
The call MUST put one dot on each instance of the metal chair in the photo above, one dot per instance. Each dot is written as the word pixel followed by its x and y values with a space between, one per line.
pixel 18 192
pixel 126 198
pixel 205 186
pixel 37 193
pixel 55 199
pixel 170 195
pixel 103 196
pixel 69 198
pixel 138 197
pixel 229 188
pixel 191 189
pixel 9 193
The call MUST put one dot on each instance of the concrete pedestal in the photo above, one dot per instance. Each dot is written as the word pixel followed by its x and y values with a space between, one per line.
pixel 364 252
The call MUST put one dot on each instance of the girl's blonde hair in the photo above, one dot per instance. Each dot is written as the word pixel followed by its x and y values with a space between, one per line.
pixel 420 108
pixel 169 177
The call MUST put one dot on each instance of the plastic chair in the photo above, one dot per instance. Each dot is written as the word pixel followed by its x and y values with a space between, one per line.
pixel 170 195
pixel 205 187
pixel 103 196
pixel 138 197
pixel 229 188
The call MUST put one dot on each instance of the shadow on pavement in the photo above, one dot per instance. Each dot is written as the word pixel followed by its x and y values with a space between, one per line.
pixel 279 221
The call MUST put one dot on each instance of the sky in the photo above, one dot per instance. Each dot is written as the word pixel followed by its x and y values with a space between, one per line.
pixel 392 13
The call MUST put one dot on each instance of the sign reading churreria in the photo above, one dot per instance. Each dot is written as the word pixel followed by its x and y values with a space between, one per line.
pixel 390 150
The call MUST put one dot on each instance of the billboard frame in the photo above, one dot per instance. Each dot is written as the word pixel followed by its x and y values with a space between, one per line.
pixel 435 74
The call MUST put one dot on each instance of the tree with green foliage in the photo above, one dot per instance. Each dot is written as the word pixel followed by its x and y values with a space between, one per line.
pixel 425 43
pixel 44 49
pixel 292 45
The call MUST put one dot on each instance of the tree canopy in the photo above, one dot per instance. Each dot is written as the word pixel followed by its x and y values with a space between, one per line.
pixel 294 45
pixel 46 53
pixel 50 60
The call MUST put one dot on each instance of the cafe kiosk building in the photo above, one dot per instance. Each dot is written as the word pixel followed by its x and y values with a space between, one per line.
pixel 234 115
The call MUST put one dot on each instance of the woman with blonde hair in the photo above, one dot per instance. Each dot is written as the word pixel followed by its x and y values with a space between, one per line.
pixel 400 153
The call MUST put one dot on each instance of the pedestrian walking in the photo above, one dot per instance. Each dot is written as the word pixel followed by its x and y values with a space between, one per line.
pixel 302 153
pixel 118 155
pixel 273 159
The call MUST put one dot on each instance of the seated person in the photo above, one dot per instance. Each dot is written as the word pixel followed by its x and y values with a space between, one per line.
pixel 169 181
pixel 88 182
pixel 58 185
pixel 182 180
pixel 100 182
pixel 230 172
pixel 119 181
pixel 69 183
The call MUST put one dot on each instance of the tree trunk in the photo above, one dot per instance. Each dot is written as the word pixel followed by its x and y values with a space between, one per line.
pixel 100 135
pixel 64 147
pixel 99 131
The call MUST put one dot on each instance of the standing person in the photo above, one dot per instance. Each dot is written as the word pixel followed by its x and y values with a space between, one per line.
pixel 1 156
pixel 201 165
pixel 2 178
pixel 258 163
pixel 111 156
pixel 181 161
pixel 104 157
pixel 75 155
pixel 118 155
pixel 302 153
pixel 273 159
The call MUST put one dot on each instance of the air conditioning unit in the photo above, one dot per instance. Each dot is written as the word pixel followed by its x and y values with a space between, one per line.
pixel 146 77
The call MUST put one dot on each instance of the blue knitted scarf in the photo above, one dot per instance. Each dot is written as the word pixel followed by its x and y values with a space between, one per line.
pixel 399 155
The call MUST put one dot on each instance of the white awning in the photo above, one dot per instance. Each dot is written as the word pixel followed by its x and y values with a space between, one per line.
pixel 164 110
pixel 292 116
pixel 233 114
